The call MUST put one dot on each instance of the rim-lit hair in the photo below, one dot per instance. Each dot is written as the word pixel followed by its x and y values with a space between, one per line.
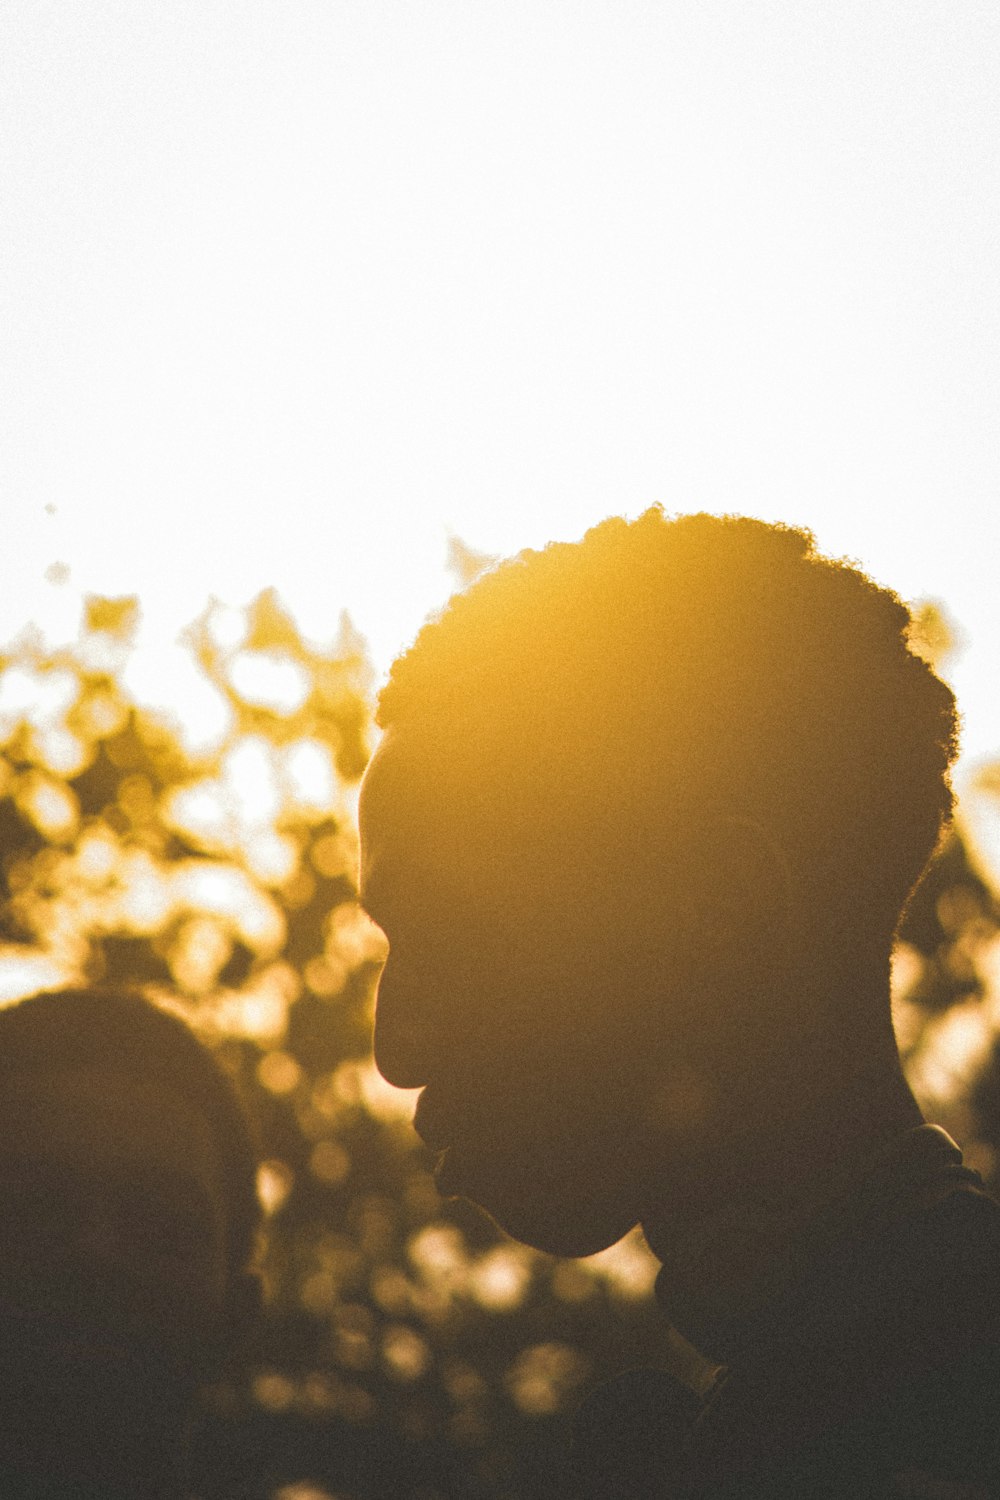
pixel 702 661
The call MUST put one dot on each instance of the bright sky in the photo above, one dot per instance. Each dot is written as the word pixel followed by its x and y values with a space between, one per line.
pixel 292 289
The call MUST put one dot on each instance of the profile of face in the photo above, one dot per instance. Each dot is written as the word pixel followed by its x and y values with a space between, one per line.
pixel 113 1270
pixel 494 1003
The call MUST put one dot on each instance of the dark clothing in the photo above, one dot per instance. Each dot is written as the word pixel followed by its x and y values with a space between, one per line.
pixel 874 1374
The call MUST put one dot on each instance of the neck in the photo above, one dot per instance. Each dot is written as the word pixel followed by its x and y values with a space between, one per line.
pixel 787 1129
pixel 793 1133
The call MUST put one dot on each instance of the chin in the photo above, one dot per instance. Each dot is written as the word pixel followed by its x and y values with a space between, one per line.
pixel 556 1223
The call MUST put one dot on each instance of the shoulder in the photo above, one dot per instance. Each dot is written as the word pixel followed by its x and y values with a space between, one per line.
pixel 879 1376
pixel 888 1364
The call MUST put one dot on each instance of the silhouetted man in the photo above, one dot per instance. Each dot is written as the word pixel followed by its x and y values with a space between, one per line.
pixel 640 829
pixel 127 1184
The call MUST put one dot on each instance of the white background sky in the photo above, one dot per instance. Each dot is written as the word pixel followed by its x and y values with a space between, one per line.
pixel 291 289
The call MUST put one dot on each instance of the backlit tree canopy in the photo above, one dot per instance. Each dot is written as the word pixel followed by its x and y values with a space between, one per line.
pixel 208 854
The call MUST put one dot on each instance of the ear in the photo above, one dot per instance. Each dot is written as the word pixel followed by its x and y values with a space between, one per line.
pixel 742 899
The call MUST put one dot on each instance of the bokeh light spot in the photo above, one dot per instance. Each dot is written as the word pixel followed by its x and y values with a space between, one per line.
pixel 309 775
pixel 334 855
pixel 279 1072
pixel 544 1377
pixel 40 698
pixel 353 937
pixel 275 1180
pixel 227 627
pixel 325 977
pixel 273 1391
pixel 628 1268
pixel 201 948
pixel 167 682
pixel 271 856
pixel 269 679
pixel 500 1279
pixel 49 804
pixel 953 1050
pixel 329 1162
pixel 438 1252
pixel 61 751
pixel 405 1354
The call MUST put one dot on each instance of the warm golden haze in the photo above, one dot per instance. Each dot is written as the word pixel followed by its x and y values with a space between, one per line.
pixel 640 830
pixel 210 855
pixel 701 665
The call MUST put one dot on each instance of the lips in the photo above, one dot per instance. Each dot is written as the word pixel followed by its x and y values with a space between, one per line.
pixel 464 1141
pixel 431 1121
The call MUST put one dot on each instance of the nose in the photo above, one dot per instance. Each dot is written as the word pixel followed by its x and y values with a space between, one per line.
pixel 403 1042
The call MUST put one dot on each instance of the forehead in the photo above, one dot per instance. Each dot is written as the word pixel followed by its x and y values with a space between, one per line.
pixel 433 835
pixel 440 822
pixel 408 783
pixel 403 821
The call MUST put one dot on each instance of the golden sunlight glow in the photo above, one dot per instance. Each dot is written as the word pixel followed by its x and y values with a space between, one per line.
pixel 356 305
pixel 164 679
pixel 60 750
pixel 249 782
pixel 499 1279
pixel 23 973
pixel 279 1072
pixel 406 1355
pixel 546 1377
pixel 228 892
pixel 42 698
pixel 50 805
pixel 258 1012
pixel 308 312
pixel 365 1082
pixel 200 949
pixel 269 678
pixel 628 1268
pixel 307 771
pixel 274 1183
pixel 956 1047
pixel 353 937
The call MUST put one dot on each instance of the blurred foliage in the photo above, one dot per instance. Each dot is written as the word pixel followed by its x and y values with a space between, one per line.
pixel 933 634
pixel 465 564
pixel 207 853
pixel 946 1001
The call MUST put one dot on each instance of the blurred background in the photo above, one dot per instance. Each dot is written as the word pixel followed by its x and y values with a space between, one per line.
pixel 309 310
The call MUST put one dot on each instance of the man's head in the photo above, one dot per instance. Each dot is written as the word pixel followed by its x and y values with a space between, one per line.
pixel 128 1181
pixel 622 783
